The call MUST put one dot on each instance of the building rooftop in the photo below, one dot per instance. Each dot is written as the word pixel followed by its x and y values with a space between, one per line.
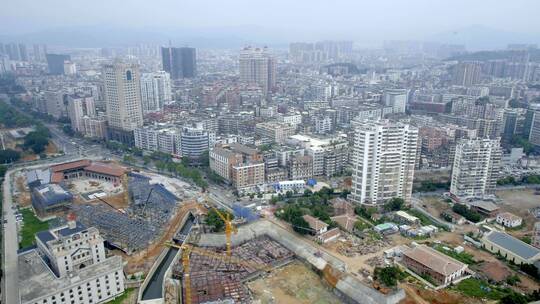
pixel 486 205
pixel 345 221
pixel 52 194
pixel 434 260
pixel 71 165
pixel 37 280
pixel 315 223
pixel 108 169
pixel 509 216
pixel 510 243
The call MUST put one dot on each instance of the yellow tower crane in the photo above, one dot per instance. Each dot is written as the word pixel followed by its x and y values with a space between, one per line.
pixel 229 228
pixel 188 249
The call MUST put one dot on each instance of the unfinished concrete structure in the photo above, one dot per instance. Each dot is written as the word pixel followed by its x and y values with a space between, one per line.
pixel 332 269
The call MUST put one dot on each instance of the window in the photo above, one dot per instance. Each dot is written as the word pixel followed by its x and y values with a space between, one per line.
pixel 128 75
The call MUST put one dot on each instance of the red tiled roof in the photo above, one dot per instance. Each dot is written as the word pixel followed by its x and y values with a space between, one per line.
pixel 345 221
pixel 57 177
pixel 314 223
pixel 330 234
pixel 434 260
pixel 108 169
pixel 71 165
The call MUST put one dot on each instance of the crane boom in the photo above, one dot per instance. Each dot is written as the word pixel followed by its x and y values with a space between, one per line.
pixel 229 228
pixel 188 249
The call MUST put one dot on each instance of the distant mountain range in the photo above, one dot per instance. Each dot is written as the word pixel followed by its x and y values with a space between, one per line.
pixel 474 37
pixel 90 37
pixel 479 37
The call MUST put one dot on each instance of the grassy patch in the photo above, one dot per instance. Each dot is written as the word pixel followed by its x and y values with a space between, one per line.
pixel 424 219
pixel 32 225
pixel 480 289
pixel 463 257
pixel 124 296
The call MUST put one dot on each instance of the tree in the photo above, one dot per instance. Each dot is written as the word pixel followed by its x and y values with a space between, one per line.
pixel 68 130
pixel 389 276
pixel 300 225
pixel 9 156
pixel 3 170
pixel 128 159
pixel 146 160
pixel 394 204
pixel 514 298
pixel 289 194
pixel 214 220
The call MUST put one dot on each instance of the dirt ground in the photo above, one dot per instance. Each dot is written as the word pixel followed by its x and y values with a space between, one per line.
pixel 434 205
pixel 23 198
pixel 51 148
pixel 416 295
pixel 519 202
pixel 294 283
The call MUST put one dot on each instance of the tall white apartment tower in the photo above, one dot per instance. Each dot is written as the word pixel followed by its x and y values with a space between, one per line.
pixel 155 91
pixel 123 100
pixel 80 106
pixel 384 156
pixel 258 66
pixel 477 166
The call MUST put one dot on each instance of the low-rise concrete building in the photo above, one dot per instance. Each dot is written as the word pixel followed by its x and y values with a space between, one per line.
pixel 318 227
pixel 508 219
pixel 424 260
pixel 510 248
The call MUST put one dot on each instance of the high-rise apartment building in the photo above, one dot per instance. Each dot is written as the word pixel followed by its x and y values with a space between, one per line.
pixel 466 73
pixel 55 63
pixel 79 106
pixel 122 100
pixel 532 124
pixel 383 161
pixel 397 99
pixel 477 166
pixel 258 66
pixel 194 143
pixel 155 91
pixel 179 62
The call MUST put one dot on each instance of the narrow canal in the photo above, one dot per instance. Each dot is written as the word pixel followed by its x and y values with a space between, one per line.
pixel 154 289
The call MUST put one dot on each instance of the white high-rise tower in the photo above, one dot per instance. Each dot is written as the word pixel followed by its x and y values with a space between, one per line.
pixel 383 161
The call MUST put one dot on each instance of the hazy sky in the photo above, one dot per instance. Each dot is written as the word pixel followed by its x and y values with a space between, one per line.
pixel 388 18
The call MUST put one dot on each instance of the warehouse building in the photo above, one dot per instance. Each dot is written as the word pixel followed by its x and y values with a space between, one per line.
pixel 510 248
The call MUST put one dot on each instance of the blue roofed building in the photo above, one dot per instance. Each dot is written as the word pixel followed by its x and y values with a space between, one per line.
pixel 510 248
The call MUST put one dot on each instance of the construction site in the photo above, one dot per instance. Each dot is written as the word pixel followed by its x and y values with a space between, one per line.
pixel 134 211
pixel 264 263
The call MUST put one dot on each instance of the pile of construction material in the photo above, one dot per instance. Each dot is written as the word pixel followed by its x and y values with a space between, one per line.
pixel 353 246
pixel 214 276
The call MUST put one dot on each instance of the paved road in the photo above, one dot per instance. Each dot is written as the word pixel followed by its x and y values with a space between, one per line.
pixel 11 244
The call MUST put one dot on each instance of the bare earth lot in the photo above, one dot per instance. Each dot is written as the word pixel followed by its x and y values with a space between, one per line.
pixel 294 283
